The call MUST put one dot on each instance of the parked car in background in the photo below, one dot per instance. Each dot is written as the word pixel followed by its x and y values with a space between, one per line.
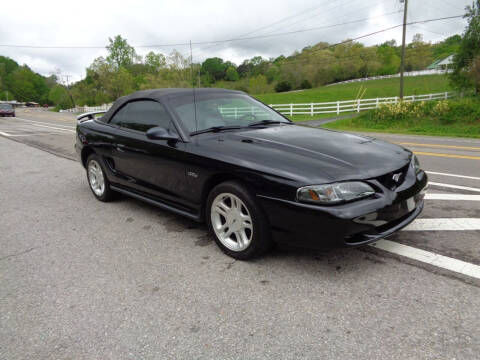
pixel 7 110
pixel 253 176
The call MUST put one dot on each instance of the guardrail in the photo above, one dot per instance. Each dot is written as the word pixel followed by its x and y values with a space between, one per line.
pixel 332 107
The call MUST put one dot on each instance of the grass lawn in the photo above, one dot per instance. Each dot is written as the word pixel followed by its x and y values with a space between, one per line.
pixel 375 88
pixel 462 119
pixel 423 127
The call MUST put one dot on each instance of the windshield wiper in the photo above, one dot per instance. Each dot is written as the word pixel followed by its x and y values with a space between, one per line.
pixel 268 122
pixel 216 129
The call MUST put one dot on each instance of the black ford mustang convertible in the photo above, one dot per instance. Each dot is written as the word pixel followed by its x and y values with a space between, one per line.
pixel 223 157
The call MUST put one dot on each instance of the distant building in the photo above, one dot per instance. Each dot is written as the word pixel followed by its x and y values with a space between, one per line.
pixel 32 104
pixel 442 64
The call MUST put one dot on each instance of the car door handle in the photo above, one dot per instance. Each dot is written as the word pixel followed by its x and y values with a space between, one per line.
pixel 121 147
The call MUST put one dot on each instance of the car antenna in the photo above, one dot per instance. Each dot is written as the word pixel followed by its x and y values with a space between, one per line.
pixel 193 88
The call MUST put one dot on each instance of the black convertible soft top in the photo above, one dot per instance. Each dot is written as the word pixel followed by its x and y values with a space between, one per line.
pixel 162 95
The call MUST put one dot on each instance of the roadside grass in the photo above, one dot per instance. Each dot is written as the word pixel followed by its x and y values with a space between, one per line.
pixel 459 118
pixel 414 85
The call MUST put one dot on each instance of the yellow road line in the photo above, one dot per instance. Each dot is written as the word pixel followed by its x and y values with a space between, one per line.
pixel 439 146
pixel 447 155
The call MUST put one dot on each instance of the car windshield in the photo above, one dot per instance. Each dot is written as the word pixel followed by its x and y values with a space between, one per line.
pixel 5 106
pixel 222 110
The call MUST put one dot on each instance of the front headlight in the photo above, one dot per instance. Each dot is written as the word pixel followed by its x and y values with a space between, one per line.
pixel 416 164
pixel 334 193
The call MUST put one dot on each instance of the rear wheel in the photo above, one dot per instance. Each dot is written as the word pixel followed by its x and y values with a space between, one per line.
pixel 97 179
pixel 236 221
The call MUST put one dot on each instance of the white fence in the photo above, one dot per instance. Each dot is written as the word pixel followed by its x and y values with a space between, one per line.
pixel 85 109
pixel 332 107
pixel 407 73
pixel 337 107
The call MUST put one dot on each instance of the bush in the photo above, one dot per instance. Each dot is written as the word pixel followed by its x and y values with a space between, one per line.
pixel 444 111
pixel 283 86
pixel 305 84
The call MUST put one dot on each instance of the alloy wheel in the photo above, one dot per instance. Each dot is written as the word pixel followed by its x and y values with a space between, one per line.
pixel 231 222
pixel 95 177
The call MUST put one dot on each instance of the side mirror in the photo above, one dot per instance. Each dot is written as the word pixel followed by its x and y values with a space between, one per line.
pixel 160 133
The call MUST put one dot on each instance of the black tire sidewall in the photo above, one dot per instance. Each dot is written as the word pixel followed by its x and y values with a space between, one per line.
pixel 261 238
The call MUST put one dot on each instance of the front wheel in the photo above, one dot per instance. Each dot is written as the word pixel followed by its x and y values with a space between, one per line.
pixel 237 222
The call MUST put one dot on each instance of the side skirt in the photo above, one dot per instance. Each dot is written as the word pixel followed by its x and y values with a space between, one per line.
pixel 157 203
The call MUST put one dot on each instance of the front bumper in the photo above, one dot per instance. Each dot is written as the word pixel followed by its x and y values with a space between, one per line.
pixel 351 224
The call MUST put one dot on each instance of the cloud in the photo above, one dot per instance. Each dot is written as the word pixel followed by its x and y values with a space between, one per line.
pixel 90 23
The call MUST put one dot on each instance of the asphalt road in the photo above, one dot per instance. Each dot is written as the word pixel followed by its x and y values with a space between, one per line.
pixel 80 279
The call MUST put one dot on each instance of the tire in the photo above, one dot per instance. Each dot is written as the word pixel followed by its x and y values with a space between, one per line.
pixel 231 209
pixel 95 176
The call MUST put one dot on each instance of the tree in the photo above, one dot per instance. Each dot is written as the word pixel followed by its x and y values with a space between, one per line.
pixel 469 49
pixel 305 84
pixel 258 85
pixel 418 54
pixel 389 59
pixel 120 53
pixel 215 67
pixel 60 97
pixel 155 62
pixel 231 74
pixel 283 86
pixel 446 47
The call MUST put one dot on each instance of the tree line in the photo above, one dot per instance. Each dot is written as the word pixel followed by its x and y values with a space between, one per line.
pixel 123 70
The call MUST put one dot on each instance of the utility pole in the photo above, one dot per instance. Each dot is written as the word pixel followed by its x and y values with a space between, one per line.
pixel 68 90
pixel 402 64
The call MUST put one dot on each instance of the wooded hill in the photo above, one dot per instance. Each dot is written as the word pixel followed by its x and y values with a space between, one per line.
pixel 123 71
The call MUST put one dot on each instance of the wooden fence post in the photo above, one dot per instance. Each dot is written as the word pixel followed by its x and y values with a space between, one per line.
pixel 376 103
pixel 291 109
pixel 446 95
pixel 358 105
pixel 311 109
pixel 338 107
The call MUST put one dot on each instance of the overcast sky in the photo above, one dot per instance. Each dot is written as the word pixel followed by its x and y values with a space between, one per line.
pixel 90 23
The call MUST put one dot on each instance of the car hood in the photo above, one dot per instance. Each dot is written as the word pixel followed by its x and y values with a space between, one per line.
pixel 307 154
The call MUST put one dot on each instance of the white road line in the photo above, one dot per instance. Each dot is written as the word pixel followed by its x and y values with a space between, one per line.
pixel 416 137
pixel 444 224
pixel 453 175
pixel 454 186
pixel 5 134
pixel 37 134
pixel 430 196
pixel 52 127
pixel 428 257
pixel 69 127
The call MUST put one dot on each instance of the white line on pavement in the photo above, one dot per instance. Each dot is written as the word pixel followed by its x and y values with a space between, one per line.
pixel 428 257
pixel 33 134
pixel 430 196
pixel 453 175
pixel 67 127
pixel 5 134
pixel 52 127
pixel 444 224
pixel 454 186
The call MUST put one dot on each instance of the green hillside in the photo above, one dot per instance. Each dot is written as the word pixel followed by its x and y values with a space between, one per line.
pixel 374 88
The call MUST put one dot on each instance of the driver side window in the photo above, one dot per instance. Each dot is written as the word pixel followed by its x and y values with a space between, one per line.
pixel 142 115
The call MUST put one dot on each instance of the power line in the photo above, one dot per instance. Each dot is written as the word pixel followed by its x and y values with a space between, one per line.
pixel 288 18
pixel 324 26
pixel 234 39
